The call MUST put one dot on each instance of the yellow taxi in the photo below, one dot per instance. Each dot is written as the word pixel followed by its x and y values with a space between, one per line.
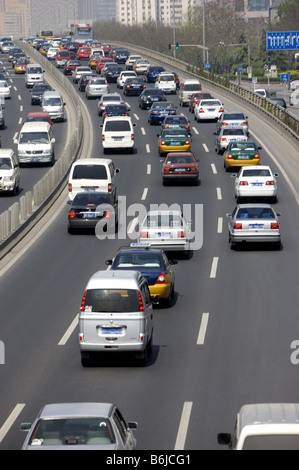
pixel 174 140
pixel 241 153
pixel 21 64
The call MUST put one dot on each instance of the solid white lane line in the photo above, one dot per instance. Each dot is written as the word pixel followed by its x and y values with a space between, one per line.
pixel 214 170
pixel 219 195
pixel 220 225
pixel 206 148
pixel 144 194
pixel 10 420
pixel 183 428
pixel 214 267
pixel 149 169
pixel 69 331
pixel 203 329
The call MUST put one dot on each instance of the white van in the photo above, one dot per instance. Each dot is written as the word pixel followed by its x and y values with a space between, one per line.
pixel 34 74
pixel 93 174
pixel 166 82
pixel 187 88
pixel 265 426
pixel 36 143
pixel 116 315
pixel 9 171
pixel 53 104
pixel 118 133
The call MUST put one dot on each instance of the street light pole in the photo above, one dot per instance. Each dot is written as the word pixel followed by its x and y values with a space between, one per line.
pixel 204 30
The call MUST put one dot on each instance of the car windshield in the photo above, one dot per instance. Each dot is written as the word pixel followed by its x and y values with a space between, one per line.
pixel 153 92
pixel 52 102
pixel 233 132
pixel 72 431
pixel 98 81
pixel 5 164
pixel 116 109
pixel 167 78
pixel 177 159
pixel 233 117
pixel 90 172
pixel 84 199
pixel 245 146
pixel 34 137
pixel 38 118
pixel 111 98
pixel 164 105
pixel 174 133
pixel 210 103
pixel 256 172
pixel 3 85
pixel 111 300
pixel 176 120
pixel 135 81
pixel 192 87
pixel 137 260
pixel 255 213
pixel 164 220
pixel 35 70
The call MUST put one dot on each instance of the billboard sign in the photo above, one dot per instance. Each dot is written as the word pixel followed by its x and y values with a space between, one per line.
pixel 282 41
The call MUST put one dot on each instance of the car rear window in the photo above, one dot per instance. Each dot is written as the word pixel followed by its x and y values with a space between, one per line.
pixel 112 300
pixel 165 220
pixel 255 213
pixel 90 172
pixel 117 126
pixel 262 172
pixel 137 260
pixel 191 87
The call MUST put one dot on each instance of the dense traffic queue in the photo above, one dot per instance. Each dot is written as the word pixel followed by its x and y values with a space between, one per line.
pixel 116 312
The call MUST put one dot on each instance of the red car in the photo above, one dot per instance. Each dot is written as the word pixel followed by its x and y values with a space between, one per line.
pixel 84 53
pixel 103 62
pixel 196 97
pixel 70 66
pixel 180 166
pixel 39 116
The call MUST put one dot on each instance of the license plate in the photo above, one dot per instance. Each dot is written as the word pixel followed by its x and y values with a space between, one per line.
pixel 163 235
pixel 211 110
pixel 243 157
pixel 256 184
pixel 174 143
pixel 112 331
pixel 117 139
pixel 255 226
pixel 180 169
pixel 89 215
pixel 34 160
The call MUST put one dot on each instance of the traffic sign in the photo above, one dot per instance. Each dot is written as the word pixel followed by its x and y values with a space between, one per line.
pixel 254 80
pixel 284 77
pixel 240 68
pixel 207 66
pixel 282 40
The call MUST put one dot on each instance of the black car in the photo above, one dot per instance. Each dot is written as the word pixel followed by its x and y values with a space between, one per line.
pixel 84 80
pixel 176 121
pixel 150 96
pixel 279 101
pixel 91 208
pixel 112 72
pixel 121 56
pixel 37 92
pixel 134 86
pixel 115 110
pixel 70 66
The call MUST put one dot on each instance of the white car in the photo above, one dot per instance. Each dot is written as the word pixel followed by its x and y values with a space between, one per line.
pixel 208 110
pixel 131 61
pixel 141 66
pixel 52 52
pixel 229 134
pixel 167 230
pixel 9 171
pixel 79 71
pixel 4 89
pixel 255 181
pixel 96 87
pixel 166 82
pixel 121 79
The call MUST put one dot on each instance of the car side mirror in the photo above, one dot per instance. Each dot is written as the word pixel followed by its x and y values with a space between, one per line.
pixel 228 214
pixel 108 262
pixel 224 438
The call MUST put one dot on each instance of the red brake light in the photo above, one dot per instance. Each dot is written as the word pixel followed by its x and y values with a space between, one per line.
pixel 243 183
pixel 72 214
pixel 83 302
pixel 237 226
pixel 274 226
pixel 181 234
pixel 269 183
pixel 229 155
pixel 141 306
pixel 221 110
pixel 187 142
pixel 201 110
pixel 161 279
pixel 162 142
pixel 70 187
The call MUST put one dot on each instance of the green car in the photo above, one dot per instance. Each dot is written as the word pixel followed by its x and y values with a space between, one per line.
pixel 174 140
pixel 241 154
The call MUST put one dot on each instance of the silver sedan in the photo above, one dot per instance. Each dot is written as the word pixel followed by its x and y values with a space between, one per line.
pixel 233 119
pixel 227 135
pixel 254 223
pixel 79 426
pixel 96 87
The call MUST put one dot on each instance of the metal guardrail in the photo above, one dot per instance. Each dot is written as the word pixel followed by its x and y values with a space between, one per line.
pixel 272 112
pixel 16 218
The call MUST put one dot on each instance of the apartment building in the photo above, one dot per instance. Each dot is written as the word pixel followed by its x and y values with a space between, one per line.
pixel 132 12
pixel 14 18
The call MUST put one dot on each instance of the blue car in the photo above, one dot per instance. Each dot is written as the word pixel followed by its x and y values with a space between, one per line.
pixel 159 111
pixel 153 264
pixel 153 72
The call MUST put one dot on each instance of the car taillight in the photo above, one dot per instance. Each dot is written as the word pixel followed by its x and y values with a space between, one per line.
pixel 141 306
pixel 72 214
pixel 229 155
pixel 237 226
pixel 82 307
pixel 70 187
pixel 245 123
pixel 162 142
pixel 223 139
pixel 108 214
pixel 109 187
pixel 274 225
pixel 187 127
pixel 201 110
pixel 132 136
pixel 187 142
pixel 221 110
pixel 143 234
pixel 181 234
pixel 103 137
pixel 224 124
pixel 243 183
pixel 257 155
pixel 161 279
pixel 269 183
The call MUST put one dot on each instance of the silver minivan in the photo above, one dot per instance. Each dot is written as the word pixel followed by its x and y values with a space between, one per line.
pixel 34 74
pixel 53 104
pixel 116 315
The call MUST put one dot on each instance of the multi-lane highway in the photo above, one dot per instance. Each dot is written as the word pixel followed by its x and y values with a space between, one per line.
pixel 224 342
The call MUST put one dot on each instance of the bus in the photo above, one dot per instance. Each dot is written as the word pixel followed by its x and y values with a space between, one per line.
pixel 83 33
pixel 46 34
